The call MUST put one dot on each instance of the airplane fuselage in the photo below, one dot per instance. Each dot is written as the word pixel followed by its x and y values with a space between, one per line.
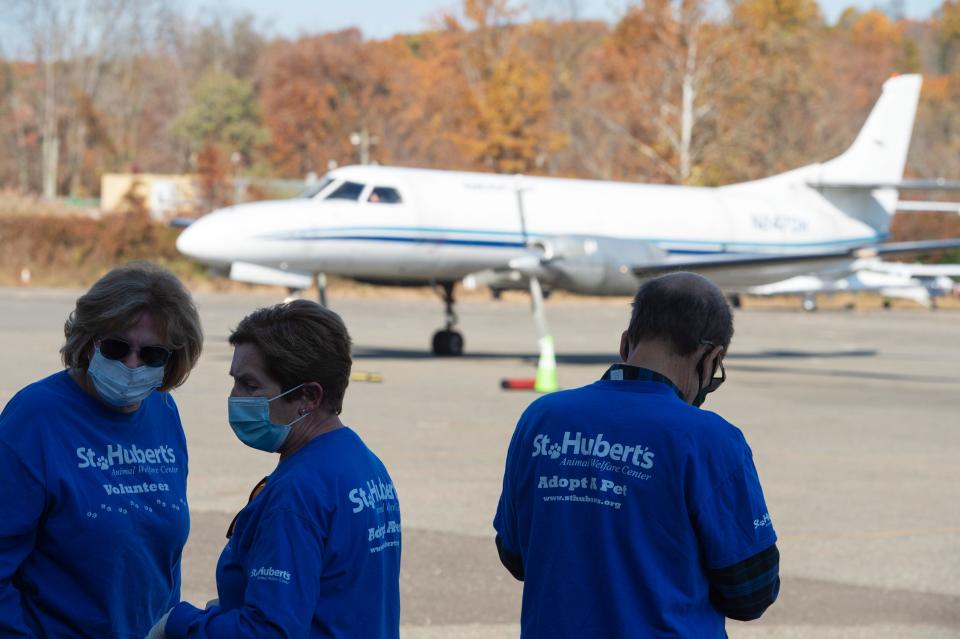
pixel 444 225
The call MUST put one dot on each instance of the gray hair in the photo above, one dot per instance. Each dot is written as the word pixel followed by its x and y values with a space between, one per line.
pixel 682 308
pixel 118 300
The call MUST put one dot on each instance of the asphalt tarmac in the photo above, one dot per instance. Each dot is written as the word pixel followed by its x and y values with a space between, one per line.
pixel 853 417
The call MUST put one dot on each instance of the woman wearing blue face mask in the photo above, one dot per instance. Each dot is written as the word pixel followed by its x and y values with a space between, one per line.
pixel 316 552
pixel 93 511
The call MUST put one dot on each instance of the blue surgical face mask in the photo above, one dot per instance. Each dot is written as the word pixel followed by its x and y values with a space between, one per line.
pixel 250 420
pixel 120 386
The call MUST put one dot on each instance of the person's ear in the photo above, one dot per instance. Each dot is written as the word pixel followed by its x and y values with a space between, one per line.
pixel 711 362
pixel 624 346
pixel 311 397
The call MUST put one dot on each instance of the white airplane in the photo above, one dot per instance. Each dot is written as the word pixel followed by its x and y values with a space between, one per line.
pixel 920 283
pixel 424 227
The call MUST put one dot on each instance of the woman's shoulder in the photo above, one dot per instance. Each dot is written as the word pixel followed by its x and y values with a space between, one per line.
pixel 40 397
pixel 24 418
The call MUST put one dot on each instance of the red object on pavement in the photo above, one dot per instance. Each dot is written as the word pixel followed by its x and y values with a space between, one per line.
pixel 523 383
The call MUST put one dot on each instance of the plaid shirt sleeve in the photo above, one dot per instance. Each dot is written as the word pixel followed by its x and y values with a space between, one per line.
pixel 746 589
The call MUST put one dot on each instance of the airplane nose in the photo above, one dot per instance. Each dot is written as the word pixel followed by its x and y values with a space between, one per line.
pixel 202 242
pixel 188 242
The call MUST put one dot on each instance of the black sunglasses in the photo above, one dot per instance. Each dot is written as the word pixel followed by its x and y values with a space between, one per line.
pixel 116 349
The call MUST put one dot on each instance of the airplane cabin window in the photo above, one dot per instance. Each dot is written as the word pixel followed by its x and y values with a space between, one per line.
pixel 385 195
pixel 312 190
pixel 346 191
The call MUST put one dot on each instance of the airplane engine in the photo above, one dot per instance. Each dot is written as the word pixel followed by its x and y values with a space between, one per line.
pixel 597 266
pixel 581 265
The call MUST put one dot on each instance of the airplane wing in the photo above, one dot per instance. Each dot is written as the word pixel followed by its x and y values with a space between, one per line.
pixel 816 260
pixel 257 274
pixel 913 270
pixel 924 206
pixel 937 184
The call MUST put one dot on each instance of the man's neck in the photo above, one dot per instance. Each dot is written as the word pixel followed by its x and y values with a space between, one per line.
pixel 660 358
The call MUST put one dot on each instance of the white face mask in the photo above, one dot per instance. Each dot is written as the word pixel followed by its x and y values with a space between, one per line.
pixel 120 386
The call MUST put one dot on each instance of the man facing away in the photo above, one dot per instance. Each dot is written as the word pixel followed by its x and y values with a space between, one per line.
pixel 628 511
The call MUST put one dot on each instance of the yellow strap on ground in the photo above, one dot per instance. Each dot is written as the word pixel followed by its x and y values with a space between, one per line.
pixel 363 376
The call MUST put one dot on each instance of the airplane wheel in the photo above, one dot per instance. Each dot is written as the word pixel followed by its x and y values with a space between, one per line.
pixel 809 305
pixel 447 343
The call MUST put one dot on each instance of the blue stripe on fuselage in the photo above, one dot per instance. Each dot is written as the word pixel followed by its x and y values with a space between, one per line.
pixel 728 247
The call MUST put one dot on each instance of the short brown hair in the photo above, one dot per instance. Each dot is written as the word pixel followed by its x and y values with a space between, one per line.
pixel 301 342
pixel 683 309
pixel 118 300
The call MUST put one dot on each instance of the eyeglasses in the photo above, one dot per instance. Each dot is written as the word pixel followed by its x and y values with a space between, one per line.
pixel 116 349
pixel 715 382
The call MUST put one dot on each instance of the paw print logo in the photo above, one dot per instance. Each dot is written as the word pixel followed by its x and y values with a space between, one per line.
pixel 554 451
pixel 102 463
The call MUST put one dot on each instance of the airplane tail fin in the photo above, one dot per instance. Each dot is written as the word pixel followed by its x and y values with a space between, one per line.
pixel 862 181
pixel 879 153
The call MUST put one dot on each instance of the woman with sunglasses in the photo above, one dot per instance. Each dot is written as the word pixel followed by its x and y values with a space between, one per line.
pixel 316 551
pixel 93 511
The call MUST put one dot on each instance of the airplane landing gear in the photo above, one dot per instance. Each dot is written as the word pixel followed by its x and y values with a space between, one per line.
pixel 321 279
pixel 448 342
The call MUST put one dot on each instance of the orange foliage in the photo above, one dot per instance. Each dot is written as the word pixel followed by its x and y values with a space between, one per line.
pixel 670 92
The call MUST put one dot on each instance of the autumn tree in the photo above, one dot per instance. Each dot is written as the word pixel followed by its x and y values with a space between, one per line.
pixel 77 47
pixel 946 32
pixel 424 108
pixel 14 137
pixel 316 92
pixel 675 91
pixel 774 101
pixel 504 123
pixel 562 47
pixel 865 49
pixel 935 149
pixel 651 88
pixel 224 112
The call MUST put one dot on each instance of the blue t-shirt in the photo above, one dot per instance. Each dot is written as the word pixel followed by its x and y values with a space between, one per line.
pixel 315 554
pixel 93 513
pixel 618 496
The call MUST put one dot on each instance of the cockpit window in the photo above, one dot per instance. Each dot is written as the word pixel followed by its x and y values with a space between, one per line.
pixel 346 191
pixel 384 195
pixel 313 189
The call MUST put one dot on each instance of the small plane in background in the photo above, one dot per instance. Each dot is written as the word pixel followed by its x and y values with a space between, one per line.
pixel 920 283
pixel 418 227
